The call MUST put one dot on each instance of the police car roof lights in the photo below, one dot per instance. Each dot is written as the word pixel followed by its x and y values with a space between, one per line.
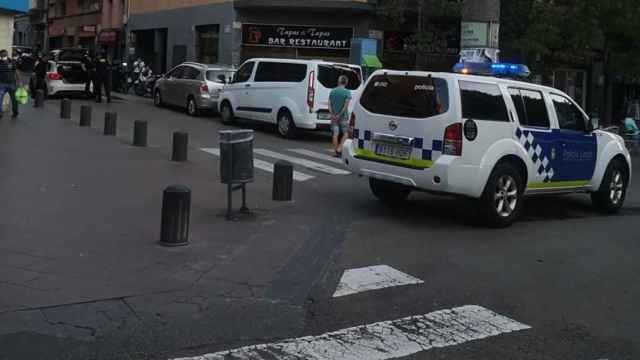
pixel 493 69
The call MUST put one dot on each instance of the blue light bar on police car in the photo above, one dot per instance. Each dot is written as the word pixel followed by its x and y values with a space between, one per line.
pixel 490 69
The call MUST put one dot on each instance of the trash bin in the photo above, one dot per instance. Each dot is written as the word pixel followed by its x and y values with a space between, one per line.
pixel 236 156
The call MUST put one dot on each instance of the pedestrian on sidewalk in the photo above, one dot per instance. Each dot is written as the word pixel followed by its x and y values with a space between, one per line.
pixel 88 63
pixel 339 100
pixel 40 72
pixel 9 79
pixel 103 77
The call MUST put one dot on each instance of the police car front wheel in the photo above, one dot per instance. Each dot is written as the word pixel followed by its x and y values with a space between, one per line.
pixel 388 192
pixel 502 198
pixel 613 190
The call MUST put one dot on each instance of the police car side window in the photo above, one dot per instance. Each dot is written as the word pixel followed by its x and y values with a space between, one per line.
pixel 569 116
pixel 482 101
pixel 531 108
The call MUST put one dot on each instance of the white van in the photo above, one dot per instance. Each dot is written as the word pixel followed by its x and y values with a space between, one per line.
pixel 294 94
pixel 486 138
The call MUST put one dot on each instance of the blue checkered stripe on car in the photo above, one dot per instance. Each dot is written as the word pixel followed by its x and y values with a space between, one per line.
pixel 425 150
pixel 540 160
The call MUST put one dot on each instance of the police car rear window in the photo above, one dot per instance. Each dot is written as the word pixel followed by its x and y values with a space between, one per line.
pixel 417 97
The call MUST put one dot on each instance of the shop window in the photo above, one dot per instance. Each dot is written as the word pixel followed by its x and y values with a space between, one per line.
pixel 482 102
pixel 572 83
pixel 280 72
pixel 207 41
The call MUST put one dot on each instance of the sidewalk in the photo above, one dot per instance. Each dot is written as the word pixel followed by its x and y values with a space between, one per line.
pixel 80 267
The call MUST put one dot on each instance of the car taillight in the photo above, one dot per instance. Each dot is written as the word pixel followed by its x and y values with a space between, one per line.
pixel 352 125
pixel 453 140
pixel 54 76
pixel 204 88
pixel 311 91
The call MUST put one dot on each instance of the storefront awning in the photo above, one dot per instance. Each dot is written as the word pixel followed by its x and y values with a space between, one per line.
pixel 371 61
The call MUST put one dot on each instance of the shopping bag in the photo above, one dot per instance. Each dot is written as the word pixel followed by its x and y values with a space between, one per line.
pixel 22 95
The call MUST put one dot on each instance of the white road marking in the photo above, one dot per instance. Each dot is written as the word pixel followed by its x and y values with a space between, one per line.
pixel 384 340
pixel 264 165
pixel 302 162
pixel 355 281
pixel 315 155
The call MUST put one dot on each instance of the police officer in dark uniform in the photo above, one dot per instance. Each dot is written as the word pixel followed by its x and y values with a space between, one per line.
pixel 103 77
pixel 90 69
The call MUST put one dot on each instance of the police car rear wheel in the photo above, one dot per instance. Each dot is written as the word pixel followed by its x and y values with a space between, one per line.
pixel 502 197
pixel 613 190
pixel 388 192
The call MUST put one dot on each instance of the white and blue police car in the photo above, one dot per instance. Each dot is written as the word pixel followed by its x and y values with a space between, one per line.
pixel 483 137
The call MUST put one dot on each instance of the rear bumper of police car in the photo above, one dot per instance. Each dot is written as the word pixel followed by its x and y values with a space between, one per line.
pixel 446 175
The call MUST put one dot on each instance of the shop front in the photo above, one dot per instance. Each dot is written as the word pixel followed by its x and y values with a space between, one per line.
pixel 296 42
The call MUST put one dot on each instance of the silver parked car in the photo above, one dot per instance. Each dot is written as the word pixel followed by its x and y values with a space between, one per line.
pixel 193 86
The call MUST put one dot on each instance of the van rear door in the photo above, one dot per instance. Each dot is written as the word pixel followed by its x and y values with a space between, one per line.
pixel 401 119
pixel 327 79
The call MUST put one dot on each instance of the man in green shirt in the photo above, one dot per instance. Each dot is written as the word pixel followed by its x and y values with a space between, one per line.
pixel 339 101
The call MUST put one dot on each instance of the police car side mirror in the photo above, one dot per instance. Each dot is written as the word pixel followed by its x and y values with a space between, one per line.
pixel 593 124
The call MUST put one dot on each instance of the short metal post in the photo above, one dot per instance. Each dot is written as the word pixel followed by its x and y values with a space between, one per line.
pixel 244 207
pixel 283 181
pixel 180 146
pixel 140 133
pixel 65 109
pixel 110 123
pixel 230 189
pixel 176 208
pixel 85 115
pixel 39 99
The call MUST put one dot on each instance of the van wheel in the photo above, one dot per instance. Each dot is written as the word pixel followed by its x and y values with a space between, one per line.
pixel 226 113
pixel 286 126
pixel 613 190
pixel 388 192
pixel 192 107
pixel 501 200
pixel 157 99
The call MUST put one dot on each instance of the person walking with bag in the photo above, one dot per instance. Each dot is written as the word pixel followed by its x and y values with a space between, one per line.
pixel 339 100
pixel 9 79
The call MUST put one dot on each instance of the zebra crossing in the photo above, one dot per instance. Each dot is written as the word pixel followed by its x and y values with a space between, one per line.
pixel 308 160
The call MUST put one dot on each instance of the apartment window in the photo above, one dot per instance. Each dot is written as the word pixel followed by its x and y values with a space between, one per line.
pixel 207 40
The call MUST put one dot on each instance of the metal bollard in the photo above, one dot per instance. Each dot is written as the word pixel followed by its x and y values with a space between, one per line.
pixel 180 146
pixel 39 98
pixel 85 115
pixel 176 208
pixel 65 109
pixel 110 123
pixel 140 133
pixel 283 181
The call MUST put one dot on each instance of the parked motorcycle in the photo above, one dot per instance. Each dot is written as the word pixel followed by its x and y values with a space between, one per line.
pixel 145 83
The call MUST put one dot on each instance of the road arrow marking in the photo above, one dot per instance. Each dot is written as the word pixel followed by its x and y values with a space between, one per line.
pixel 369 278
pixel 384 340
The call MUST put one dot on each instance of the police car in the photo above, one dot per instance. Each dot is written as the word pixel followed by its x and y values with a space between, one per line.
pixel 483 137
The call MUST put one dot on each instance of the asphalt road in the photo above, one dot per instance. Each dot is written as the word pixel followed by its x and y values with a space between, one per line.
pixel 565 271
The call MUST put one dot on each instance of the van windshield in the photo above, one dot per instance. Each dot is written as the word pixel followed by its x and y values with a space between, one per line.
pixel 328 76
pixel 406 96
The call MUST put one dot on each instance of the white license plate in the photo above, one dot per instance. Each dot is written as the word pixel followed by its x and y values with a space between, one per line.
pixel 394 151
pixel 324 116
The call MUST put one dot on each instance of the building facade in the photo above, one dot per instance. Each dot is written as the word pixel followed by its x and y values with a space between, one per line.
pixel 8 10
pixel 31 27
pixel 91 24
pixel 165 33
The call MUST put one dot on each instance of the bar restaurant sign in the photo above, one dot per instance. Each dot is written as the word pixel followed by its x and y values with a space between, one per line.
pixel 315 37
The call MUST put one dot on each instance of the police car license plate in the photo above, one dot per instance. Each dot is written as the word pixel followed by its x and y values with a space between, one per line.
pixel 394 151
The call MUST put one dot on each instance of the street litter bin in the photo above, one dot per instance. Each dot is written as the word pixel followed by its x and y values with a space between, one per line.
pixel 236 156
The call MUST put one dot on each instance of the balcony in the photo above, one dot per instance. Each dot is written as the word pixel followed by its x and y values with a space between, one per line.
pixel 309 5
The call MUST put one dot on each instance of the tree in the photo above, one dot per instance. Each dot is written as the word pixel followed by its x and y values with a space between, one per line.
pixel 431 20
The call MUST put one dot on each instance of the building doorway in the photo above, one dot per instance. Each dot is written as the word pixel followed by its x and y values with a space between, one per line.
pixel 207 43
